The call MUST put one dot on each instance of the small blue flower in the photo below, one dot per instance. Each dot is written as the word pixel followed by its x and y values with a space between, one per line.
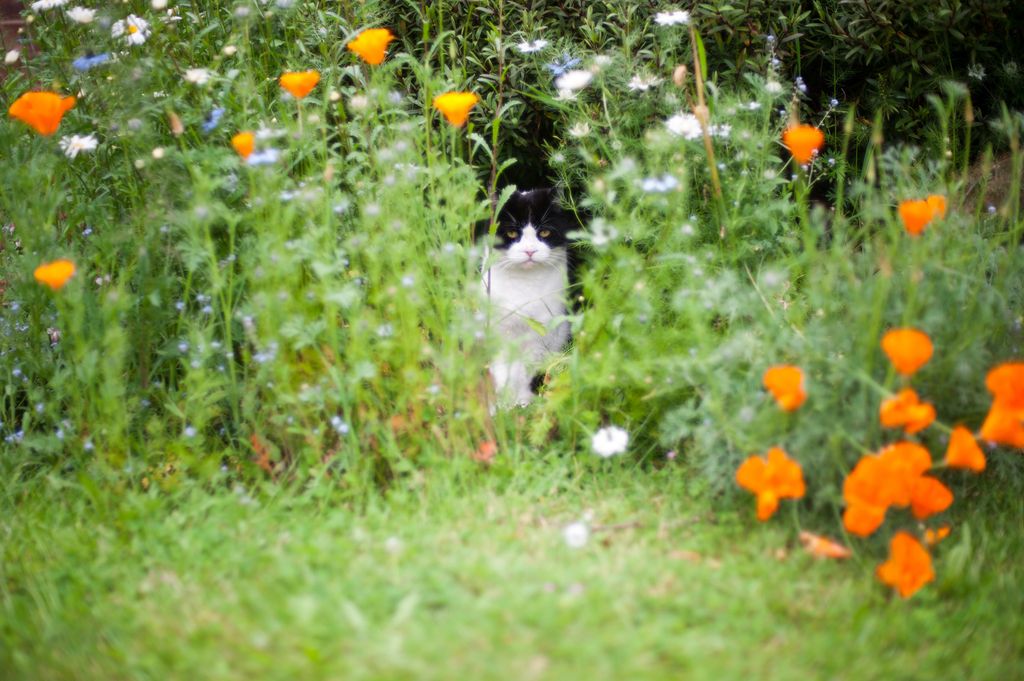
pixel 264 157
pixel 561 66
pixel 90 60
pixel 212 120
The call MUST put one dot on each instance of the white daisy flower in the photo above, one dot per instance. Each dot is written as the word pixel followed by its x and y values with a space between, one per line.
pixel 609 441
pixel 644 83
pixel 574 80
pixel 134 29
pixel 576 534
pixel 198 76
pixel 672 18
pixel 532 46
pixel 41 5
pixel 81 15
pixel 685 125
pixel 73 145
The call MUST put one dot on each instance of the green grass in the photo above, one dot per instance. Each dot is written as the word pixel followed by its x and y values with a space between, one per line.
pixel 478 583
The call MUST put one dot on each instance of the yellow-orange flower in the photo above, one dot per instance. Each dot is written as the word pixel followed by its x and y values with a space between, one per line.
pixel 802 141
pixel 907 349
pixel 933 537
pixel 915 214
pixel 41 110
pixel 1005 421
pixel 371 45
pixel 299 83
pixel 964 452
pixel 244 143
pixel 909 566
pixel 823 547
pixel 787 385
pixel 771 478
pixel 937 202
pixel 55 274
pixel 906 411
pixel 455 106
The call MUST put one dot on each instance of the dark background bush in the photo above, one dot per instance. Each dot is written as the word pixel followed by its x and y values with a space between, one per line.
pixel 882 57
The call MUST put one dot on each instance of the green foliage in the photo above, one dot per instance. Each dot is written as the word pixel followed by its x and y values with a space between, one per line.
pixel 320 317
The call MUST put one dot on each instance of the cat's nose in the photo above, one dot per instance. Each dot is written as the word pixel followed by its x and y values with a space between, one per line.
pixel 529 254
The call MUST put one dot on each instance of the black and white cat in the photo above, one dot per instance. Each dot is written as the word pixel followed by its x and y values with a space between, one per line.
pixel 527 283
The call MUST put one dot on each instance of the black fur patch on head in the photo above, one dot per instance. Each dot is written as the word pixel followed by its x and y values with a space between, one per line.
pixel 538 208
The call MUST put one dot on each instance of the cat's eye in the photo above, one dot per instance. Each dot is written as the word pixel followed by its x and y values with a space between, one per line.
pixel 512 234
pixel 544 233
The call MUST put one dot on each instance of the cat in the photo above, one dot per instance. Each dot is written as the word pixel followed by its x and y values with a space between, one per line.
pixel 527 283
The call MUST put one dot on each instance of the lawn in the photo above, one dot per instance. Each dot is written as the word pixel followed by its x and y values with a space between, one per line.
pixel 438 582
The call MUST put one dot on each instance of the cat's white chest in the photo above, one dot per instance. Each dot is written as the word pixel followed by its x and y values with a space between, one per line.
pixel 524 302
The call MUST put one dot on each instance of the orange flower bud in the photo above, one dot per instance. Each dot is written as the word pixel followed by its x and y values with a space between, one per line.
pixel 371 45
pixel 41 110
pixel 916 215
pixel 299 83
pixel 937 202
pixel 803 141
pixel 786 384
pixel 244 143
pixel 964 452
pixel 55 274
pixel 455 106
pixel 907 349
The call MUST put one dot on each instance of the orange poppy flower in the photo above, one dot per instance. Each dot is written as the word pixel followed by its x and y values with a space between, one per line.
pixel 1003 426
pixel 803 141
pixel 371 45
pixel 244 143
pixel 909 566
pixel 863 519
pixel 455 106
pixel 866 503
pixel 1005 421
pixel 1006 383
pixel 772 478
pixel 299 83
pixel 964 452
pixel 41 110
pixel 937 202
pixel 906 411
pixel 823 547
pixel 786 384
pixel 933 537
pixel 928 497
pixel 915 214
pixel 879 481
pixel 903 463
pixel 55 274
pixel 907 349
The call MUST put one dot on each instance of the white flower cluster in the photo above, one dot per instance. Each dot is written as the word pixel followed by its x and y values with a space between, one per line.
pixel 687 126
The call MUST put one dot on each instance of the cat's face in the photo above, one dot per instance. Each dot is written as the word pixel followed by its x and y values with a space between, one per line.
pixel 532 230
